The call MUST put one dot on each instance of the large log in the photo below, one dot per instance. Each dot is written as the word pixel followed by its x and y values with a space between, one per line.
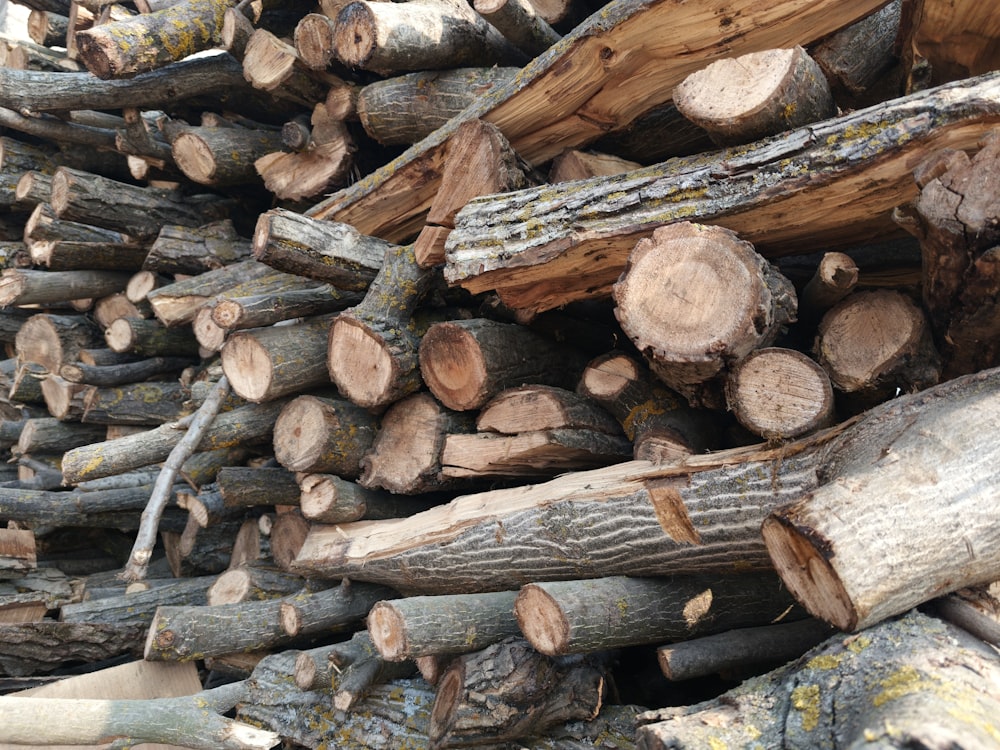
pixel 846 174
pixel 920 513
pixel 585 86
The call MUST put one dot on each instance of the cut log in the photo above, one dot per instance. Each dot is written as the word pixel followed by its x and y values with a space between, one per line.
pixel 124 373
pixel 738 651
pixel 238 309
pixel 539 407
pixel 520 23
pixel 562 102
pixel 246 425
pixel 272 64
pixel 221 156
pixel 874 343
pixel 147 41
pixel 184 633
pixel 742 99
pixel 439 625
pixel 49 435
pixel 929 494
pixel 780 394
pixel 660 424
pixel 326 498
pixel 907 682
pixel 139 607
pixel 252 582
pixel 34 648
pixel 670 302
pixel 465 363
pixel 267 363
pixel 136 211
pixel 177 303
pixel 573 164
pixel 846 174
pixel 954 219
pixel 322 250
pixel 372 349
pixel 835 278
pixel 319 434
pixel 542 453
pixel 404 109
pixel 21 286
pixel 975 609
pixel 427 35
pixel 566 617
pixel 150 338
pixel 192 250
pixel 246 487
pixel 17 552
pixel 358 667
pixel 287 535
pixel 508 691
pixel 52 340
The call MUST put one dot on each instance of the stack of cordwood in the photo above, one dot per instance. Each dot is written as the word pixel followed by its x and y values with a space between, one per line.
pixel 500 373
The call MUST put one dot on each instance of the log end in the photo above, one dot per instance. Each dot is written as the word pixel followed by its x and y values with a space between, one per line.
pixel 247 363
pixel 802 560
pixel 453 367
pixel 388 631
pixel 356 35
pixel 359 363
pixel 541 620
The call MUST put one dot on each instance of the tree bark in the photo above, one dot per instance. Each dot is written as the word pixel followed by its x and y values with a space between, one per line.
pixel 566 617
pixel 108 376
pixel 438 625
pixel 520 23
pixel 908 682
pixel 246 487
pixel 828 171
pixel 326 498
pixel 52 340
pixel 192 250
pixel 670 302
pixel 220 156
pixel 177 303
pixel 33 648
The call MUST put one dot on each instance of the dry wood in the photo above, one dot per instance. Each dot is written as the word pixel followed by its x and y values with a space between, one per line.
pixel 120 49
pixel 358 668
pixel 246 487
pixel 47 28
pixel 508 691
pixel 324 609
pixel 326 498
pixel 17 552
pixel 827 173
pixel 405 456
pixel 562 102
pixel 565 617
pixel 252 582
pixel 177 303
pixel 318 434
pixel 69 246
pixel 574 164
pixel 835 277
pixel 780 393
pixel 660 424
pixel 975 609
pixel 954 218
pixel 139 606
pixel 439 625
pixel 136 211
pixel 21 286
pixel 672 304
pixel 425 35
pixel 465 363
pixel 221 156
pixel 184 633
pixel 196 721
pixel 244 426
pixel 520 23
pixel 45 646
pixel 304 297
pixel 192 250
pixel 539 407
pixel 267 363
pixel 929 494
pixel 271 64
pixel 480 162
pixel 324 165
pixel 107 310
pixel 50 435
pixel 911 680
pixel 150 338
pixel 404 109
pixel 52 340
pixel 742 649
pixel 287 535
pixel 741 99
pixel 323 250
pixel 314 35
pixel 372 349
pixel 875 342
pixel 26 386
pixel 140 404
pixel 123 373
pixel 955 42
pixel 541 453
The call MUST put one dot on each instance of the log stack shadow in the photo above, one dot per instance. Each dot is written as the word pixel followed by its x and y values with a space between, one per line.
pixel 584 376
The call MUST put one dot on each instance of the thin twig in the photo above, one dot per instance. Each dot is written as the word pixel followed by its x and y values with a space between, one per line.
pixel 197 424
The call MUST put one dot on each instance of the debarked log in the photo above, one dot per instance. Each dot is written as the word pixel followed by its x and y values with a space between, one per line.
pixel 846 174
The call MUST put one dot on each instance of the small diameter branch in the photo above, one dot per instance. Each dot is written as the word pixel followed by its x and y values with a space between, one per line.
pixel 145 539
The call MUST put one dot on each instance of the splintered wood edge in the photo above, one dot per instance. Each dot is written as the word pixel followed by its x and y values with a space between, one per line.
pixel 387 629
pixel 806 570
pixel 449 695
pixel 541 620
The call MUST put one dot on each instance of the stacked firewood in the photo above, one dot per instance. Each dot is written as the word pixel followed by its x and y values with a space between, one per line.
pixel 508 374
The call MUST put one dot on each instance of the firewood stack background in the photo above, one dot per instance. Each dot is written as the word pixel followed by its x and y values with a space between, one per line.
pixel 519 375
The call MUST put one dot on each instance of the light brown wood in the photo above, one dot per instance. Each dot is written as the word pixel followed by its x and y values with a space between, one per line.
pixel 323 435
pixel 697 299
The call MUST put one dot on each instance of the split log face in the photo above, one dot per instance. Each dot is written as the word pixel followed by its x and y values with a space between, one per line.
pixel 695 300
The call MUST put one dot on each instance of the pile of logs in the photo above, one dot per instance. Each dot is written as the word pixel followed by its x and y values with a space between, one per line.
pixel 501 373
